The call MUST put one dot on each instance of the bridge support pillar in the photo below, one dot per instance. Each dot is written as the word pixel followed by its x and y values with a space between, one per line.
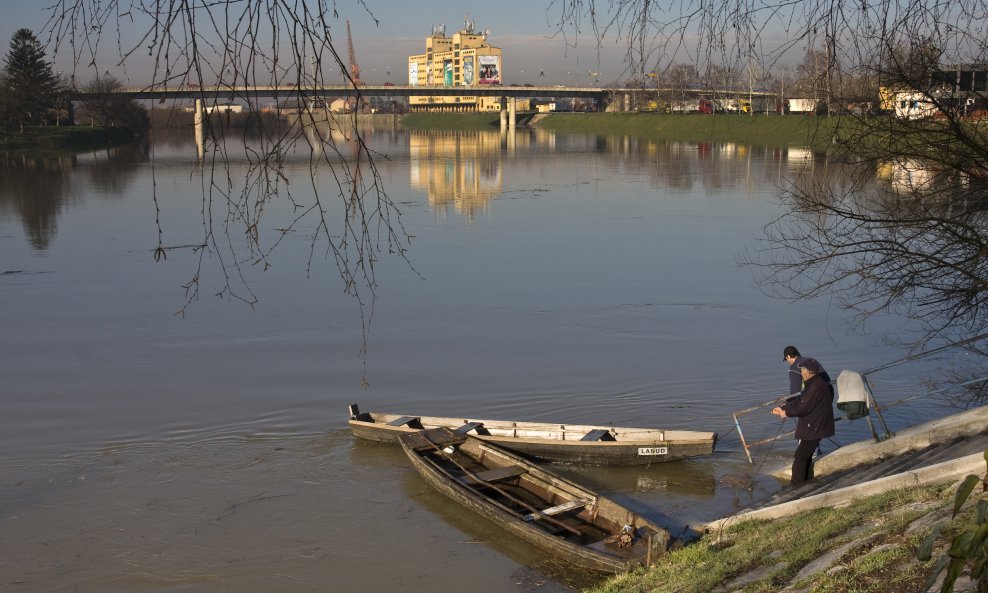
pixel 504 114
pixel 627 102
pixel 511 113
pixel 198 121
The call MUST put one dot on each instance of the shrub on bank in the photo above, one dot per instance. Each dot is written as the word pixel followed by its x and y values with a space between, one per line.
pixel 58 138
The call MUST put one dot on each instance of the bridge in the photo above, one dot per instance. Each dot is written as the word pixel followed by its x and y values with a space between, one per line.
pixel 625 98
pixel 308 91
pixel 249 92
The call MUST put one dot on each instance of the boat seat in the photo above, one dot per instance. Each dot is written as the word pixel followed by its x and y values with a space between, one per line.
pixel 598 434
pixel 409 420
pixel 436 438
pixel 490 476
pixel 578 503
pixel 468 427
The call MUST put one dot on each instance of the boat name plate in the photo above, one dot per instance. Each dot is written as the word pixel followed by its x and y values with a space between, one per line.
pixel 653 450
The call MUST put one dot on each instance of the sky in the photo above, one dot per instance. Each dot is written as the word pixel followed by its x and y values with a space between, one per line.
pixel 523 29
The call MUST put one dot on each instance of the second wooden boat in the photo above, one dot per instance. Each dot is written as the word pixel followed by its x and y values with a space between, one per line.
pixel 573 443
pixel 577 525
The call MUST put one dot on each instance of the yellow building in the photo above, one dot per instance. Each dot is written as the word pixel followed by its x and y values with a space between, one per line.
pixel 463 60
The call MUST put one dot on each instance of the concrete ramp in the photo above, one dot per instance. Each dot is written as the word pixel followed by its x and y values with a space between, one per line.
pixel 937 452
pixel 940 473
pixel 943 431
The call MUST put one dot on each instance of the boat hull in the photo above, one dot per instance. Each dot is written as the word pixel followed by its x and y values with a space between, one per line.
pixel 592 543
pixel 553 442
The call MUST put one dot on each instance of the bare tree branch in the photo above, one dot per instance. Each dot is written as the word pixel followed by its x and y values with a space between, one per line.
pixel 195 43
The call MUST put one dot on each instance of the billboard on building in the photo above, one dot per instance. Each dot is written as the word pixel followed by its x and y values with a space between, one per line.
pixel 429 75
pixel 413 74
pixel 468 70
pixel 448 72
pixel 490 70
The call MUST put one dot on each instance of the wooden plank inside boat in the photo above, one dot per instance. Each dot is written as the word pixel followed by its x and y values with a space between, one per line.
pixel 468 427
pixel 428 440
pixel 600 434
pixel 559 508
pixel 493 475
pixel 412 421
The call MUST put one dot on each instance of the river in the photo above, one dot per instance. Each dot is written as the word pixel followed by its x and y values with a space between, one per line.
pixel 148 443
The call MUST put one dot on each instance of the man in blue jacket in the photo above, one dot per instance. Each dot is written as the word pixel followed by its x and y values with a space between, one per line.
pixel 790 354
pixel 814 413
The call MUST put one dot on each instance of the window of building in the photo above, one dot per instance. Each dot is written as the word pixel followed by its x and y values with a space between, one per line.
pixel 967 80
pixel 980 81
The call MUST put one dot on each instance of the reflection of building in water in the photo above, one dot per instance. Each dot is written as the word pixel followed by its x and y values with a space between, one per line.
pixel 463 60
pixel 905 175
pixel 462 169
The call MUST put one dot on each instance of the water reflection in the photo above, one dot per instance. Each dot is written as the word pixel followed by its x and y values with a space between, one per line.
pixel 459 170
pixel 463 171
pixel 540 570
pixel 531 320
pixel 693 478
pixel 36 188
pixel 904 175
pixel 473 533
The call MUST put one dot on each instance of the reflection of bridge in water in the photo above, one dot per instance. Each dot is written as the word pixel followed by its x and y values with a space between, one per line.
pixel 460 173
pixel 615 99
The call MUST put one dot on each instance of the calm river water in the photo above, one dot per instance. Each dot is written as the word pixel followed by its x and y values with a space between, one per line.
pixel 558 278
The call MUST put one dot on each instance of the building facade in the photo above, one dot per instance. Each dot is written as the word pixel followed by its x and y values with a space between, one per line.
pixel 960 90
pixel 463 60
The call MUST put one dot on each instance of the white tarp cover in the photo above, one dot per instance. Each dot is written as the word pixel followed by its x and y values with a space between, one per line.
pixel 853 394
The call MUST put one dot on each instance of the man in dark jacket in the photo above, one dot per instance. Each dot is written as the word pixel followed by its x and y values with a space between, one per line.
pixel 814 413
pixel 790 354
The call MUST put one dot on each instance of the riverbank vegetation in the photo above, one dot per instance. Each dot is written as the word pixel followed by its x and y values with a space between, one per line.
pixel 866 547
pixel 763 130
pixel 30 92
pixel 63 138
pixel 451 121
pixel 36 113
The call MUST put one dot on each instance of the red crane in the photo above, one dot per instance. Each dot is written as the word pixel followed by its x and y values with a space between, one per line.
pixel 354 67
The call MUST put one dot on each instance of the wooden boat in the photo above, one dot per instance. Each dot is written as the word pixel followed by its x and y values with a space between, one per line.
pixel 574 443
pixel 579 526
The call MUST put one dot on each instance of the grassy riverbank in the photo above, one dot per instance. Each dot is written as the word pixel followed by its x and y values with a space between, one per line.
pixel 62 138
pixel 763 130
pixel 866 547
pixel 451 121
